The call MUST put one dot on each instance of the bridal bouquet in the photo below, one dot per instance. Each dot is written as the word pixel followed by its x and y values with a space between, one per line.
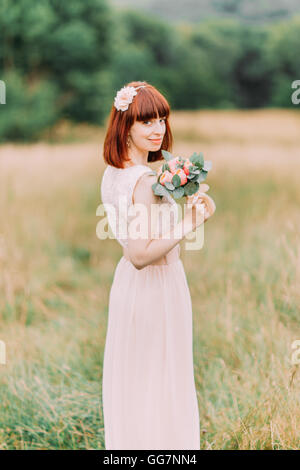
pixel 181 177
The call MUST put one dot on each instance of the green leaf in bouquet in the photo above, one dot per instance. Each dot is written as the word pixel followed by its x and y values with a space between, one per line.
pixel 192 157
pixel 202 176
pixel 193 167
pixel 191 188
pixel 207 165
pixel 195 172
pixel 197 159
pixel 178 192
pixel 180 164
pixel 167 155
pixel 165 167
pixel 159 189
pixel 169 185
pixel 194 178
pixel 176 181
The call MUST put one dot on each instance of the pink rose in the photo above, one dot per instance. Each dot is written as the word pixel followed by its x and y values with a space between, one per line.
pixel 187 163
pixel 182 176
pixel 166 177
pixel 172 164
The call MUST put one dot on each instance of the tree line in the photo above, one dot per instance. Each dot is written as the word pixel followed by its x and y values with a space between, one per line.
pixel 68 59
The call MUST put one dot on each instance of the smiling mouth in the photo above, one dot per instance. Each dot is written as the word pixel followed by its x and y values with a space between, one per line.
pixel 155 140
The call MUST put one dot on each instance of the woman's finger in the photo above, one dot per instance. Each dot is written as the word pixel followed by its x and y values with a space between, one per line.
pixel 202 189
pixel 199 196
pixel 208 201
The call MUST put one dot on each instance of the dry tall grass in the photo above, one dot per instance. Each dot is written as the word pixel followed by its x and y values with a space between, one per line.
pixel 56 274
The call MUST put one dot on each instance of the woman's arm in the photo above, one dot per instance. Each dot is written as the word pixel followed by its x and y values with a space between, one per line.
pixel 144 250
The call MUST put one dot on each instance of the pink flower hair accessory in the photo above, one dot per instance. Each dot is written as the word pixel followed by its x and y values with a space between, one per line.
pixel 125 96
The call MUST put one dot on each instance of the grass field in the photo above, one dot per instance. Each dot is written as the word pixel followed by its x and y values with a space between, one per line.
pixel 55 276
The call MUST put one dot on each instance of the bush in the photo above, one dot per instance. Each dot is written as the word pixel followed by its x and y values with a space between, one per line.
pixel 29 108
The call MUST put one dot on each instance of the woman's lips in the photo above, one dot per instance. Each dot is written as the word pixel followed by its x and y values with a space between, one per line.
pixel 156 141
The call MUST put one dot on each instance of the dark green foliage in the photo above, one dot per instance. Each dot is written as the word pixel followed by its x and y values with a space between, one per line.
pixel 247 11
pixel 176 181
pixel 28 109
pixel 68 59
pixel 191 188
pixel 54 59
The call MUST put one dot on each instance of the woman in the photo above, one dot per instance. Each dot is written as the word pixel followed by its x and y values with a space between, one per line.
pixel 148 387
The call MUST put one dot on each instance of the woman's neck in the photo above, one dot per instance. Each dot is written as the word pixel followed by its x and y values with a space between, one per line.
pixel 137 159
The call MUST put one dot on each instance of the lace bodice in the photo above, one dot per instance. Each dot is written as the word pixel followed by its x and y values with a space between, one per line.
pixel 117 187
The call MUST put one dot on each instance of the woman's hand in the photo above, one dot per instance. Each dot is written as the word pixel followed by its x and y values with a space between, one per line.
pixel 200 207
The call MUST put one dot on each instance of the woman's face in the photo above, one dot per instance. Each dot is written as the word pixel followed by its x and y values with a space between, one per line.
pixel 148 135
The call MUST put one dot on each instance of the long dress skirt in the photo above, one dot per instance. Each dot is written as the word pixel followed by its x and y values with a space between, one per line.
pixel 148 387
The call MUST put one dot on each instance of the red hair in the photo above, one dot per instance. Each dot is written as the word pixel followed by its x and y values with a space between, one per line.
pixel 147 104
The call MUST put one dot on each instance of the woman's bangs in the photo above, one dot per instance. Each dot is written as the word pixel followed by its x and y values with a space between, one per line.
pixel 150 107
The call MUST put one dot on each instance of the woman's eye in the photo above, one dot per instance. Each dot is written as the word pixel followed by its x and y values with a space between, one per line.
pixel 162 119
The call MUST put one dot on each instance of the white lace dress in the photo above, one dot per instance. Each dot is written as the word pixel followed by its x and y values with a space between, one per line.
pixel 148 388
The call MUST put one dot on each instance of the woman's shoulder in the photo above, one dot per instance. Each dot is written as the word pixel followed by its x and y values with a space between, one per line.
pixel 128 172
pixel 142 183
pixel 125 181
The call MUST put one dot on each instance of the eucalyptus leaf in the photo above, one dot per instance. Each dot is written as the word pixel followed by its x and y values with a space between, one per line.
pixel 167 155
pixel 197 159
pixel 159 189
pixel 207 165
pixel 201 159
pixel 194 168
pixel 176 181
pixel 194 178
pixel 202 176
pixel 178 192
pixel 191 188
pixel 193 156
pixel 165 167
pixel 169 185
